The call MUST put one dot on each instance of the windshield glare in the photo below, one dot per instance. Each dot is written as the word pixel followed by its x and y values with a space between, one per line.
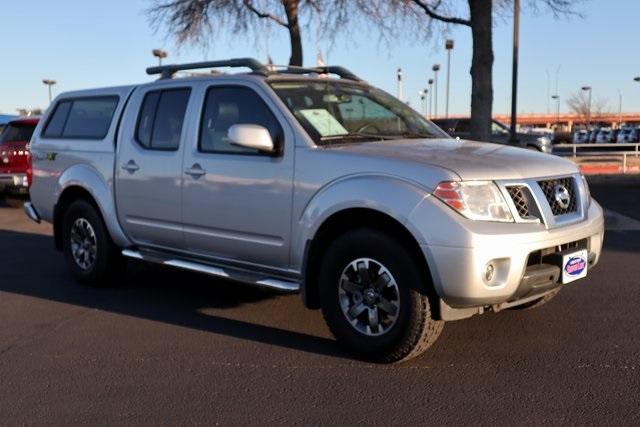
pixel 338 112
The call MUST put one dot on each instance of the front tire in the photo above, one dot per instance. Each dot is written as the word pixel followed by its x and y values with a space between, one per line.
pixel 374 298
pixel 91 256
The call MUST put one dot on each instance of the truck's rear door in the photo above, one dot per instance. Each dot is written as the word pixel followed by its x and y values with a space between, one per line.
pixel 149 165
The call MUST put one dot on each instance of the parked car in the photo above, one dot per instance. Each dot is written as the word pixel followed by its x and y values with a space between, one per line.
pixel 15 161
pixel 629 135
pixel 581 137
pixel 4 121
pixel 292 180
pixel 613 136
pixel 593 135
pixel 460 128
pixel 603 135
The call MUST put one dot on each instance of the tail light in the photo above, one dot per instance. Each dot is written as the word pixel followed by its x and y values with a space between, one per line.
pixel 29 169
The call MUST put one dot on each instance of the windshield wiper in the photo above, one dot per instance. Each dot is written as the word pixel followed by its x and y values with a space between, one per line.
pixel 354 135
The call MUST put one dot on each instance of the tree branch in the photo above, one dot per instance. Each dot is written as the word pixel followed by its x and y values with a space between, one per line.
pixel 259 14
pixel 431 12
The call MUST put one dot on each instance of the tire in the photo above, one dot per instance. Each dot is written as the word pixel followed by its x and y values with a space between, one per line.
pixel 98 262
pixel 537 302
pixel 399 337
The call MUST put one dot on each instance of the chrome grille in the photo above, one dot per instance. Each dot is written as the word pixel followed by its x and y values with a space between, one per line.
pixel 519 200
pixel 549 187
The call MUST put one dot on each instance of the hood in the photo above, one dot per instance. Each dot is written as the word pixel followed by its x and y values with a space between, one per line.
pixel 470 160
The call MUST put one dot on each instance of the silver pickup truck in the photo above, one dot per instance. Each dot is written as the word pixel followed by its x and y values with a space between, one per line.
pixel 310 180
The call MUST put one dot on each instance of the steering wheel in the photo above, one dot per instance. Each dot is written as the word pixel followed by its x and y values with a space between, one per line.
pixel 365 126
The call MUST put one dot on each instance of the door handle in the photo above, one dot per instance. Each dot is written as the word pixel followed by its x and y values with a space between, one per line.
pixel 130 166
pixel 195 171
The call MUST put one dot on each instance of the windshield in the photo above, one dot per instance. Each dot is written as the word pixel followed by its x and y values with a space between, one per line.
pixel 338 112
pixel 16 132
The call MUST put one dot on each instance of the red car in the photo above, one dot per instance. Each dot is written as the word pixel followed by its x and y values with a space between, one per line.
pixel 15 158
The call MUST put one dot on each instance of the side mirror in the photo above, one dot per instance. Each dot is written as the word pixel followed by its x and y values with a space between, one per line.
pixel 251 136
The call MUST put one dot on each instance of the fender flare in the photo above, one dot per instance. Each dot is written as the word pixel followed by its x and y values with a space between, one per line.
pixel 90 180
pixel 387 194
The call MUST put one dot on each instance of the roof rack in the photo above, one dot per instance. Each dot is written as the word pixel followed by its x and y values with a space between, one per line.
pixel 167 71
pixel 327 69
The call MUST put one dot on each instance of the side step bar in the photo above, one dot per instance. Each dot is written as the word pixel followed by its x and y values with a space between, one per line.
pixel 243 277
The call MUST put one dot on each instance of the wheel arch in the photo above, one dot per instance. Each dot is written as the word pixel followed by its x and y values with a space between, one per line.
pixel 339 223
pixel 84 182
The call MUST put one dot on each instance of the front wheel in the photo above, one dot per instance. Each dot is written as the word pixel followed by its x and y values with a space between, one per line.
pixel 91 256
pixel 374 298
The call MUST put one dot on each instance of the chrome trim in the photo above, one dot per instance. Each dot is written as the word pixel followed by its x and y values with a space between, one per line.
pixel 131 254
pixel 549 220
pixel 200 268
pixel 280 285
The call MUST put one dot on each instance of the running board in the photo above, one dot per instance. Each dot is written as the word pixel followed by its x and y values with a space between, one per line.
pixel 238 276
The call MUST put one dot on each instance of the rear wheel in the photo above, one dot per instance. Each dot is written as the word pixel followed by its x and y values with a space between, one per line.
pixel 374 299
pixel 90 254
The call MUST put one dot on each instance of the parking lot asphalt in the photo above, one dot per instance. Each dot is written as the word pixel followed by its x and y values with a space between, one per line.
pixel 168 347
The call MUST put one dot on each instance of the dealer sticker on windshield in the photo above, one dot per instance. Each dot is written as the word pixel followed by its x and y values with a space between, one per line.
pixel 574 266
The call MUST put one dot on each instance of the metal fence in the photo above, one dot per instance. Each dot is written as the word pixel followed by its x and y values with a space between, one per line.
pixel 620 151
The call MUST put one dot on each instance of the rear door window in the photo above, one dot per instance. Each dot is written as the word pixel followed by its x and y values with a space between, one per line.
pixel 82 118
pixel 161 118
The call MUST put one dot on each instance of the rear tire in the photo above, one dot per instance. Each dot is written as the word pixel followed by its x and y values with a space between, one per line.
pixel 537 302
pixel 91 255
pixel 374 298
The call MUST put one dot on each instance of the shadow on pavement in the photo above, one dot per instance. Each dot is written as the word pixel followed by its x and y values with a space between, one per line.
pixel 149 292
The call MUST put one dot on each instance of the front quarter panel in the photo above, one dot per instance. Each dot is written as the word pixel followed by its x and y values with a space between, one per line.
pixel 390 195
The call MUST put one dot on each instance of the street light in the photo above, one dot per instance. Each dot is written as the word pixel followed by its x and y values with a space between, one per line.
pixel 448 45
pixel 636 79
pixel 399 81
pixel 588 88
pixel 557 99
pixel 49 83
pixel 422 94
pixel 160 54
pixel 436 68
pixel 430 112
pixel 513 138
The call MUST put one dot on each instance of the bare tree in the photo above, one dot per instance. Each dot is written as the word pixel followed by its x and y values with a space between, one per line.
pixel 478 17
pixel 578 103
pixel 195 21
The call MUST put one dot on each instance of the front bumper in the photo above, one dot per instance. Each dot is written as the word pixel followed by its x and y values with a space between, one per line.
pixel 14 183
pixel 457 266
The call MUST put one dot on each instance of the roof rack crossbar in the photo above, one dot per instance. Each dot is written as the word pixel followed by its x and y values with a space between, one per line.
pixel 331 69
pixel 167 71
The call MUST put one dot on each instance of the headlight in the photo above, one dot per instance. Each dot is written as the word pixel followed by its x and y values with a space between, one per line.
pixel 477 200
pixel 587 192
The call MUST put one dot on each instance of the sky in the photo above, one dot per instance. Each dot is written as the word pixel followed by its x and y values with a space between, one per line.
pixel 86 44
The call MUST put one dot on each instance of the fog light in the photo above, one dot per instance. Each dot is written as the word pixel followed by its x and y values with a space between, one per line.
pixel 489 271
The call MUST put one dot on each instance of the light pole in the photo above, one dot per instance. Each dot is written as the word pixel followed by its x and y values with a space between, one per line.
pixel 619 109
pixel 430 97
pixel 160 54
pixel 513 138
pixel 422 94
pixel 448 45
pixel 557 99
pixel 435 68
pixel 399 83
pixel 588 88
pixel 49 83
